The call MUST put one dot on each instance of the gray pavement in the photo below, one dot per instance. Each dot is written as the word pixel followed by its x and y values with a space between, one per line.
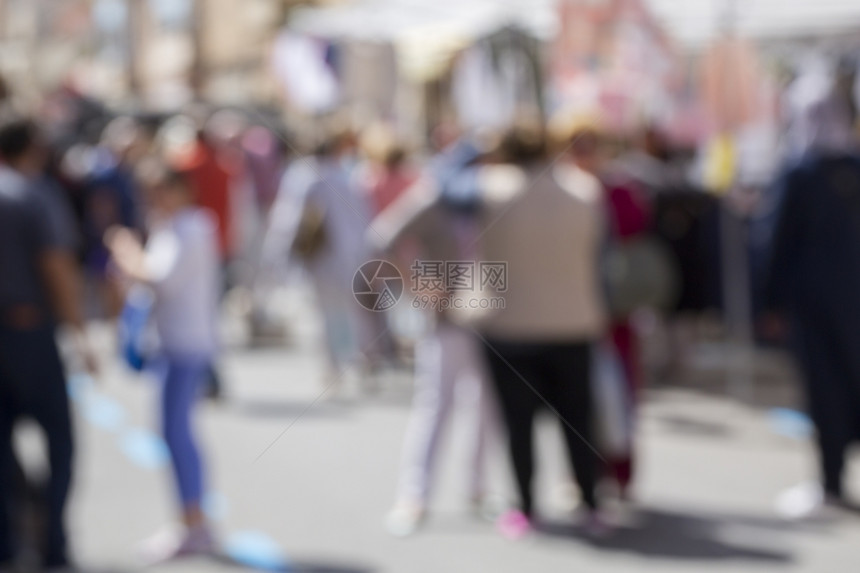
pixel 709 470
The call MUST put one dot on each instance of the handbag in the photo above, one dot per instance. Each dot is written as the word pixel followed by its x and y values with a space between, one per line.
pixel 311 235
pixel 613 408
pixel 134 342
pixel 639 273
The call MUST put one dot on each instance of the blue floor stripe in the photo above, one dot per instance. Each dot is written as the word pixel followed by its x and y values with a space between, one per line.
pixel 257 550
pixel 147 450
pixel 790 423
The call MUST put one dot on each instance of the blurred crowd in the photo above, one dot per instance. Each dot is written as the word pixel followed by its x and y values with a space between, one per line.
pixel 580 235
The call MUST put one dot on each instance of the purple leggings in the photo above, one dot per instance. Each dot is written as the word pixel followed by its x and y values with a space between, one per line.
pixel 181 379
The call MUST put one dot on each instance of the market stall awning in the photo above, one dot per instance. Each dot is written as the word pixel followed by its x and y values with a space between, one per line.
pixel 695 23
pixel 391 20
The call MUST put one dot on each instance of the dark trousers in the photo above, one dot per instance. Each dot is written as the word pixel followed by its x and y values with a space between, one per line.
pixel 829 354
pixel 530 376
pixel 32 384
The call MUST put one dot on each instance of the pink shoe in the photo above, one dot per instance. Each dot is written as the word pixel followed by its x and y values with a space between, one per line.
pixel 514 525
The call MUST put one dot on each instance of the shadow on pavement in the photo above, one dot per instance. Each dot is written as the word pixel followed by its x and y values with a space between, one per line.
pixel 226 562
pixel 673 535
pixel 693 427
pixel 286 409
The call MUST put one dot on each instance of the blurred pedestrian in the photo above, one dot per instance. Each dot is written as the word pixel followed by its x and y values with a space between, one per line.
pixel 180 264
pixel 545 223
pixel 448 357
pixel 628 217
pixel 210 173
pixel 39 288
pixel 814 278
pixel 319 221
pixel 112 198
pixel 265 158
pixel 195 147
pixel 388 172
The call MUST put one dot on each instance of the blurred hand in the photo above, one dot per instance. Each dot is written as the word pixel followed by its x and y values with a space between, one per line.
pixel 122 242
pixel 127 251
pixel 91 363
pixel 85 353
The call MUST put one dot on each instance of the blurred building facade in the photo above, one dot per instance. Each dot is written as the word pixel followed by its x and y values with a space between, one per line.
pixel 150 53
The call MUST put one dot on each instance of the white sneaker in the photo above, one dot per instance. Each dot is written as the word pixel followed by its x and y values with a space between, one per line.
pixel 404 519
pixel 487 507
pixel 175 542
pixel 596 526
pixel 807 501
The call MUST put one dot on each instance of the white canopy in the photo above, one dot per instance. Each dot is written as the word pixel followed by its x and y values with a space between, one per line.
pixel 390 20
pixel 696 22
pixel 691 22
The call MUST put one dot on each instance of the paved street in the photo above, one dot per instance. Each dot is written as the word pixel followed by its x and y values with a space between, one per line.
pixel 709 471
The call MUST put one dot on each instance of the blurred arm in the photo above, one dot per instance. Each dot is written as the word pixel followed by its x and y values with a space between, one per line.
pixel 63 284
pixel 784 244
pixel 457 176
pixel 400 218
pixel 128 254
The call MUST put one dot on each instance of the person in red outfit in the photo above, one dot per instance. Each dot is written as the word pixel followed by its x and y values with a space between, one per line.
pixel 629 217
pixel 388 172
pixel 211 176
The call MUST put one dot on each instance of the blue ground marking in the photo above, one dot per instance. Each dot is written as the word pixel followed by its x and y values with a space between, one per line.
pixel 257 550
pixel 77 386
pixel 144 448
pixel 98 409
pixel 216 506
pixel 147 450
pixel 103 412
pixel 790 423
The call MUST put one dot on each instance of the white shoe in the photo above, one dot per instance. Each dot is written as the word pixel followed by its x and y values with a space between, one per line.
pixel 487 507
pixel 175 542
pixel 404 519
pixel 806 501
pixel 596 526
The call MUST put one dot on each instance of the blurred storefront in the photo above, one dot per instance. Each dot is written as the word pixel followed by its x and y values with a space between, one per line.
pixel 611 57
pixel 480 63
pixel 154 54
pixel 412 61
pixel 416 63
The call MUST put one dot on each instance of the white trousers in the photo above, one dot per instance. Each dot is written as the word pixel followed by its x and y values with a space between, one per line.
pixel 448 361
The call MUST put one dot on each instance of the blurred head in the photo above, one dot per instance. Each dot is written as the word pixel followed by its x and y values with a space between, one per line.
pixel 166 189
pixel 77 162
pixel 579 134
pixel 654 143
pixel 821 111
pixel 380 145
pixel 123 137
pixel 332 137
pixel 262 142
pixel 522 143
pixel 445 134
pixel 177 137
pixel 197 114
pixel 21 144
pixel 225 127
